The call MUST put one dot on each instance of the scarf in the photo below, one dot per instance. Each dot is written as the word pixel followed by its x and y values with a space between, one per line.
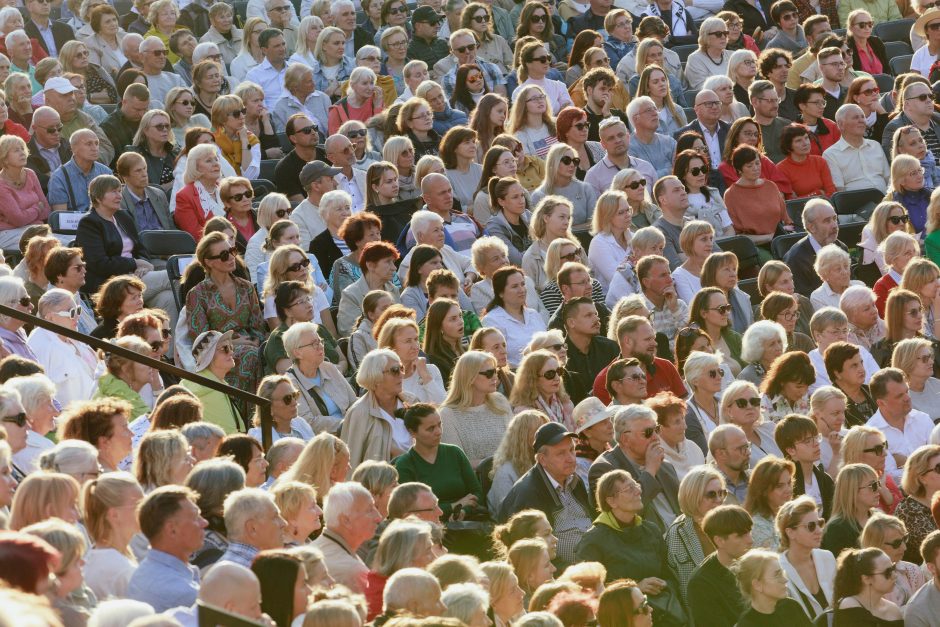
pixel 608 519
pixel 678 26
pixel 232 149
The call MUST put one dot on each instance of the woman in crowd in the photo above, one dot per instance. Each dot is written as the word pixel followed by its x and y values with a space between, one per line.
pixel 382 186
pixel 223 302
pixel 207 87
pixel 770 487
pixel 583 41
pixel 474 414
pixel 827 409
pixel 458 152
pixel 99 84
pixel 488 120
pixel 34 260
pixel 711 312
pixel 650 52
pixel 904 320
pixel 283 603
pixel 712 44
pixel 163 458
pixel 572 128
pixel 258 119
pixel 705 203
pixel 809 173
pixel 764 583
pixel 702 490
pixel 240 147
pixel 721 270
pixel 289 263
pixel 377 260
pixel 832 266
pixel 108 506
pixel 356 231
pixel 117 298
pixel 245 451
pixel 696 241
pixel 864 578
pixel 357 133
pixel 125 378
pixel 868 51
pixel 422 380
pixel 103 424
pixel 857 493
pixel 846 371
pixel 560 168
pixel 180 105
pixel 273 207
pixel 401 153
pixel 362 100
pixel 811 101
pixel 491 341
pixel 508 312
pixel 889 534
pixel 323 462
pixel 920 482
pixel 731 109
pixel 75 458
pixel 775 276
pixel 324 394
pixel 785 388
pixel 533 124
pixel 370 428
pixel 403 544
pixel 915 357
pixel 250 54
pixel 44 495
pixel 681 452
pixel 20 191
pixel 751 191
pixel 539 386
pixel 610 227
pixel 655 84
pixel 443 336
pixel 867 445
pixel 921 276
pixel 763 342
pixel 37 394
pixel 703 376
pixel 285 417
pixel 163 17
pixel 898 248
pixel 505 594
pixel 865 93
pixel 70 598
pixel 416 121
pixel 104 46
pixel 297 503
pixel 513 457
pixel 498 162
pixel 551 220
pixel 156 143
pixel 199 199
pixel 908 187
pixel 361 341
pixel 19 92
pixel 740 405
pixel 887 218
pixel 379 478
pixel 469 88
pixel 531 561
pixel 214 358
pixel 745 131
pixel 810 570
pixel 560 252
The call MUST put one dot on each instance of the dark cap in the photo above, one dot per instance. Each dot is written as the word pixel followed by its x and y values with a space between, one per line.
pixel 425 14
pixel 551 433
pixel 315 170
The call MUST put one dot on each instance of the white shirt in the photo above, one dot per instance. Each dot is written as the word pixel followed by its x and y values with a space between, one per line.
pixel 711 141
pixel 352 187
pixel 298 427
pixel 517 334
pixel 432 392
pixel 916 433
pixel 400 434
pixel 922 60
pixel 605 254
pixel 825 296
pixel 270 79
pixel 558 96
pixel 687 284
pixel 107 572
pixel 28 459
pixel 72 366
pixel 858 168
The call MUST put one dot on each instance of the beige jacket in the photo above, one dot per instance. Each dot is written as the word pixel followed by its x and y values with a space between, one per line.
pixel 334 386
pixel 366 433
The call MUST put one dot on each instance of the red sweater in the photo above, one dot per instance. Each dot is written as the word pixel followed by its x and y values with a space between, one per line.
pixel 756 210
pixel 818 142
pixel 810 178
pixel 663 378
pixel 767 171
pixel 882 288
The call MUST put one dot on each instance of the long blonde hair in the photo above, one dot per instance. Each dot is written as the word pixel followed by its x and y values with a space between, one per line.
pixel 525 390
pixel 460 395
pixel 277 269
pixel 517 120
pixel 643 90
pixel 316 461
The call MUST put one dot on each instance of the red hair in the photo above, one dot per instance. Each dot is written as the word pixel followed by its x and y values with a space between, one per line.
pixel 565 120
pixel 374 252
pixel 26 560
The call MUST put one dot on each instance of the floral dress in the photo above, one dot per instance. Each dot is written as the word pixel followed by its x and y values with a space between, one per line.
pixel 776 408
pixel 207 312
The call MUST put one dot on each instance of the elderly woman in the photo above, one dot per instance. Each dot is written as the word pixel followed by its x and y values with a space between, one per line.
pixel 904 320
pixel 37 394
pixel 19 93
pixel 105 45
pixel 99 84
pixel 889 534
pixel 785 386
pixel 845 367
pixel 712 55
pixel 489 254
pixel 125 378
pixel 908 187
pixel 370 428
pixel 681 452
pixel 240 147
pixel 404 544
pixel 898 249
pixel 199 199
pixel 213 354
pixel 223 33
pixel 13 293
pixel 103 424
pixel 377 259
pixel 286 421
pixel 157 144
pixel 915 357
pixel 207 86
pixel 363 99
pixel 72 366
pixel 741 406
pixel 180 106
pixel 770 486
pixel 703 375
pixel 163 16
pixel 21 194
pixel 421 379
pixel 428 228
pixel 763 342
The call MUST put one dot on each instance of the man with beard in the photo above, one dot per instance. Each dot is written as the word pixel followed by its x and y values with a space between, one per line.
pixel 588 351
pixel 638 340
pixel 731 455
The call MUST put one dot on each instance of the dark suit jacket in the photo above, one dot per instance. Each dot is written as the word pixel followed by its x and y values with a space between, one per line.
pixel 695 125
pixel 37 164
pixel 195 18
pixel 102 245
pixel 61 33
pixel 666 481
pixel 827 487
pixel 362 38
pixel 159 202
pixel 326 251
pixel 533 490
pixel 800 258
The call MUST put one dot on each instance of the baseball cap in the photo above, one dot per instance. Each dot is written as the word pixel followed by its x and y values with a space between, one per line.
pixel 425 14
pixel 551 433
pixel 315 170
pixel 59 84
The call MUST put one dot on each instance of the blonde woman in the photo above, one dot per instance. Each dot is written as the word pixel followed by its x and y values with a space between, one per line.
pixel 888 217
pixel 920 483
pixel 400 152
pixel 731 109
pixel 908 187
pixel 307 35
pixel 763 582
pixel 651 51
pixel 889 534
pixel 712 55
pixel 740 405
pixel 157 144
pixel 333 67
pixel 108 503
pixel 633 183
pixel 273 207
pixel 240 147
pixel 856 496
pixel 696 241
pixel 551 220
pixel 99 85
pixel 539 387
pixel 323 462
pixel 646 241
pixel 297 503
pixel 285 418
pixel 492 341
pixel 421 379
pixel 163 458
pixel 561 166
pixel 921 276
pixel 810 570
pixel 43 495
pixel 610 227
pixel 250 54
pixel 742 70
pixel 532 122
pixel 506 596
pixel 362 145
pixel 532 565
pixel 654 83
pixel 69 597
pixel 180 106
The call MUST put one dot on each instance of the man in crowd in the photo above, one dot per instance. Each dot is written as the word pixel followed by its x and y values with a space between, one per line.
pixel 460 230
pixel 20 51
pixel 856 162
pixel 905 428
pixel 426 45
pixel 48 150
pixel 596 85
pixel 714 595
pixel 553 486
pixel 463 51
pixel 646 143
pixel 625 382
pixel 317 178
pixel 170 520
pixel 731 456
pixel 640 452
pixel 344 18
pixel 153 57
pixel 916 110
pixel 122 125
pixel 229 587
pixel 588 350
pixel 68 185
pixel 574 280
pixel 668 312
pixel 670 195
pixel 51 35
pixel 280 16
pixel 822 226
pixel 816 28
pixel 145 203
pixel 921 609
pixel 766 105
pixel 349 519
pixel 615 140
pixel 832 66
pixel 59 94
pixel 253 524
pixel 269 74
pixel 708 124
pixel 865 325
pixel 301 131
pixel 130 48
pixel 339 152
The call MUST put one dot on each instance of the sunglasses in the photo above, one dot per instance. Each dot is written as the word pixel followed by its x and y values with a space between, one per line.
pixel 555 347
pixel 699 170
pixel 648 432
pixel 467 48
pixel 899 220
pixel 395 371
pixel 636 184
pixel 242 195
pixel 566 160
pixel 716 373
pixel 156 53
pixel 161 127
pixel 716 495
pixel 239 113
pixel 52 130
pixel 922 97
pixel 935 469
pixel 71 314
pixel 156 345
pixel 744 402
pixel 541 17
pixel 896 544
pixel 572 256
pixel 722 309
pixel 18 419
pixel 479 19
pixel 227 349
pixel 551 374
pixel 224 255
pixel 874 486
pixel 357 133
pixel 281 212
pixel 887 573
pixel 489 374
pixel 582 126
pixel 636 378
pixel 310 130
pixel 812 525
pixel 298 266
pixel 397 10
pixel 542 59
pixel 185 103
pixel 291 398
pixel 871 91
pixel 878 449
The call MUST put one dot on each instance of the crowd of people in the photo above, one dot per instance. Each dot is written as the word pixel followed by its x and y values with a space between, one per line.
pixel 546 303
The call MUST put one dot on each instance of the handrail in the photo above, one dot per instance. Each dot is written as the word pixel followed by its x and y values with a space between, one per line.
pixel 263 404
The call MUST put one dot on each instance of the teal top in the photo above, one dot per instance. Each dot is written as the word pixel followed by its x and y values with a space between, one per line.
pixel 450 477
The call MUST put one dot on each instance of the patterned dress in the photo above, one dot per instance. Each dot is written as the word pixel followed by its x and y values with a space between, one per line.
pixel 207 312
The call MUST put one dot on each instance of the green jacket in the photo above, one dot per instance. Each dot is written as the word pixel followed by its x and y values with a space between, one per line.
pixel 217 408
pixel 110 385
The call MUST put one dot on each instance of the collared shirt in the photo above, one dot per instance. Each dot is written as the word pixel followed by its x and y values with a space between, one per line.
pixel 69 185
pixel 316 107
pixel 51 157
pixel 825 296
pixel 239 553
pixel 350 187
pixel 144 213
pixel 737 492
pixel 665 320
pixel 517 333
pixel 29 70
pixel 571 521
pixel 15 342
pixel 491 76
pixel 914 433
pixel 47 37
pixel 602 173
pixel 712 142
pixel 858 168
pixel 270 79
pixel 660 152
pixel 164 582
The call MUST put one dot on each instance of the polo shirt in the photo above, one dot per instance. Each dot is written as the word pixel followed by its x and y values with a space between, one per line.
pixel 662 376
pixel 164 582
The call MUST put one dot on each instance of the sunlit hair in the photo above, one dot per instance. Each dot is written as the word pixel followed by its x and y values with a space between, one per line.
pixel 643 90
pixel 460 394
pixel 518 117
pixel 316 462
pixel 851 479
pixel 792 513
pixel 764 479
pixel 525 390
pixel 693 486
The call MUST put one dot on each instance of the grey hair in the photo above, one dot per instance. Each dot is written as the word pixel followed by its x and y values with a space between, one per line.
pixel 812 207
pixel 198 432
pixel 697 363
pixel 756 336
pixel 341 4
pixel 340 499
pixel 201 51
pixel 214 480
pixel 12 36
pixel 543 339
pixel 368 50
pixel 634 107
pixel 398 543
pixel 79 135
pixel 373 365
pixel 856 296
pixel 11 290
pixel 630 414
pixel 54 298
pixel 332 201
pixel 895 244
pixel 844 111
pixel 6 12
pixel 829 256
pixel 717 82
pixel 69 456
pixel 291 337
pixel 823 395
pixel 606 123
pixel 825 317
pixel 119 612
pixel 423 219
pixel 465 600
pixel 407 585
pixel 34 390
pixel 153 39
pixel 360 72
pixel 243 505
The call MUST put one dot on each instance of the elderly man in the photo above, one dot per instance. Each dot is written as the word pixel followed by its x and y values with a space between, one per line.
pixel 121 125
pixel 229 587
pixel 597 85
pixel 317 178
pixel 668 312
pixel 646 143
pixel 300 95
pixel 413 592
pixel 253 524
pixel 411 499
pixel 766 104
pixel 553 486
pixel 426 45
pixel 822 226
pixel 731 456
pixel 344 18
pixel 670 195
pixel 350 519
pixel 827 326
pixel 259 8
pixel 865 325
pixel 145 203
pixel 50 34
pixel 637 339
pixel 130 48
pixel 280 457
pixel 856 162
pixel 170 520
pixel 460 230
pixel 20 51
pixel 339 152
pixel 153 57
pixel 708 124
pixel 615 140
pixel 428 228
pixel 68 185
pixel 463 51
pixel 640 452
pixel 47 148
pixel 915 111
pixel 270 73
pixel 301 131
pixel 905 428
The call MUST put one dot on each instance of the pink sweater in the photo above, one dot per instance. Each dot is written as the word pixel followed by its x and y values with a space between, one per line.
pixel 21 207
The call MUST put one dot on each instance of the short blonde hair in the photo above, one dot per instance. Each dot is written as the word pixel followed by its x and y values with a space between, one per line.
pixel 222 108
pixel 485 245
pixel 291 496
pixel 65 538
pixel 751 567
pixel 693 487
pixel 873 534
pixel 8 143
pixel 692 231
pixel 915 467
pixel 895 244
pixel 905 352
pixel 604 211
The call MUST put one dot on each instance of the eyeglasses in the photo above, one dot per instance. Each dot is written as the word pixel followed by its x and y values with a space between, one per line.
pixel 648 432
pixel 161 127
pixel 488 374
pixel 871 91
pixel 716 373
pixel 227 349
pixel 582 126
pixel 878 449
pixel 809 441
pixel 536 98
pixel 716 495
pixel 395 371
pixel 896 544
pixel 555 347
pixel 699 170
pixel 71 314
pixel 874 486
pixel 742 403
pixel 812 525
pixel 224 255
pixel 917 312
pixel 370 59
pixel 635 377
pixel 397 10
pixel 722 309
pixel 242 195
pixel 52 130
pixel 401 43
pixel 566 160
pixel 935 469
pixel 238 113
pixel 922 97
pixel 864 24
pixel 644 608
pixel 424 115
pixel 887 573
pixel 291 398
pixel 18 419
pixel 156 53
pixel 550 375
pixel 294 267
pixel 536 19
pixel 542 59
pixel 710 104
pixel 355 133
pixel 636 184
pixel 899 220
pixel 465 49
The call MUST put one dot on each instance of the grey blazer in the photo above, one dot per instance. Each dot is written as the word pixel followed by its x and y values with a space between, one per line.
pixel 160 205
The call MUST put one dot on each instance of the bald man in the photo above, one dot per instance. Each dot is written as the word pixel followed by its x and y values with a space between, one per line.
pixel 460 231
pixel 68 185
pixel 48 149
pixel 708 125
pixel 228 587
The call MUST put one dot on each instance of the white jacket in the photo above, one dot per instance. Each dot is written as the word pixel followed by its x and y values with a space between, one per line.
pixel 825 574
pixel 72 366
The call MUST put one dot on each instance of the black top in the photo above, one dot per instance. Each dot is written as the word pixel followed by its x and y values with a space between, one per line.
pixel 860 617
pixel 287 175
pixel 859 413
pixel 583 368
pixel 788 613
pixel 840 534
pixel 103 246
pixel 714 596
pixel 326 251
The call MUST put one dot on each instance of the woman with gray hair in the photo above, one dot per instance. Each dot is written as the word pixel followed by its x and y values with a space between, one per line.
pixel 157 143
pixel 76 458
pixel 723 87
pixel 703 375
pixel 762 343
pixel 213 480
pixel 72 366
pixel 467 602
pixel 711 46
pixel 37 394
pixel 827 409
pixel 13 294
pixel 741 406
pixel 832 265
pixel 328 246
pixel 915 357
pixel 403 544
pixel 363 98
pixel 203 438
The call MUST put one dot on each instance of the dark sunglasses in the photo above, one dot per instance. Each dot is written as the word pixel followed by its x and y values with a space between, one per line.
pixel 299 265
pixel 224 255
pixel 874 486
pixel 239 113
pixel 185 103
pixel 722 309
pixel 161 127
pixel 463 49
pixel 896 544
pixel 744 402
pixel 18 419
pixel 535 19
pixel 227 349
pixel 572 256
pixel 291 398
pixel 878 449
pixel 25 301
pixel 356 133
pixel 698 170
pixel 716 495
pixel 488 374
pixel 582 126
pixel 870 92
pixel 480 19
pixel 898 220
pixel 281 212
pixel 308 130
pixel 52 130
pixel 648 432
pixel 924 97
pixel 887 573
pixel 935 469
pixel 551 374
pixel 394 371
pixel 556 347
pixel 566 160
pixel 242 195
pixel 716 373
pixel 397 10
pixel 812 525
pixel 156 345
pixel 636 184
pixel 542 59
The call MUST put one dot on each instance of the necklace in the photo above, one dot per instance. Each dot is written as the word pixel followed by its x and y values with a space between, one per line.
pixel 721 58
pixel 17 184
